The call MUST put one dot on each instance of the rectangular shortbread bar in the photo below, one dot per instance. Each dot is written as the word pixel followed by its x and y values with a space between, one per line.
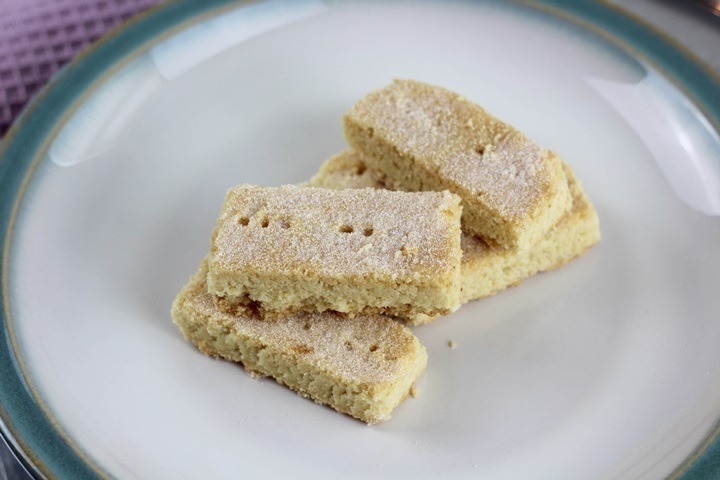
pixel 427 138
pixel 487 269
pixel 294 248
pixel 363 366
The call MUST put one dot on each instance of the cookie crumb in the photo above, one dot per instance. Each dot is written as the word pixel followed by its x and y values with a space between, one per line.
pixel 414 392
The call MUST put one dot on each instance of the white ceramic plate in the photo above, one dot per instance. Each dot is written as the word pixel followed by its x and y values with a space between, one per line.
pixel 605 368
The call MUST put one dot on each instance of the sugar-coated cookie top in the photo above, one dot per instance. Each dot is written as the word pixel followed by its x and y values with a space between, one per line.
pixel 391 236
pixel 460 141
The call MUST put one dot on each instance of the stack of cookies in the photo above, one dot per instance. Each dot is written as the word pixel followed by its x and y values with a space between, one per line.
pixel 436 203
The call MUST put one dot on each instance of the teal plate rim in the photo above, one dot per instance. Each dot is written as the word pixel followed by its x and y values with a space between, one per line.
pixel 27 426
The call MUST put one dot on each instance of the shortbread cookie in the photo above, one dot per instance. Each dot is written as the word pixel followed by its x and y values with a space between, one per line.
pixel 427 138
pixel 363 366
pixel 295 248
pixel 487 268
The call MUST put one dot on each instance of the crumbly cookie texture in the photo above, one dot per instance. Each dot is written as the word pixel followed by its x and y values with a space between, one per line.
pixel 486 268
pixel 363 366
pixel 427 138
pixel 290 248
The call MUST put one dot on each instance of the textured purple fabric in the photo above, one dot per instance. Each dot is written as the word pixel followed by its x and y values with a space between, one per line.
pixel 37 37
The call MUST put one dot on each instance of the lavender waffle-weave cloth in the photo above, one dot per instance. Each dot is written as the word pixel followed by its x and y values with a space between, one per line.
pixel 38 37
